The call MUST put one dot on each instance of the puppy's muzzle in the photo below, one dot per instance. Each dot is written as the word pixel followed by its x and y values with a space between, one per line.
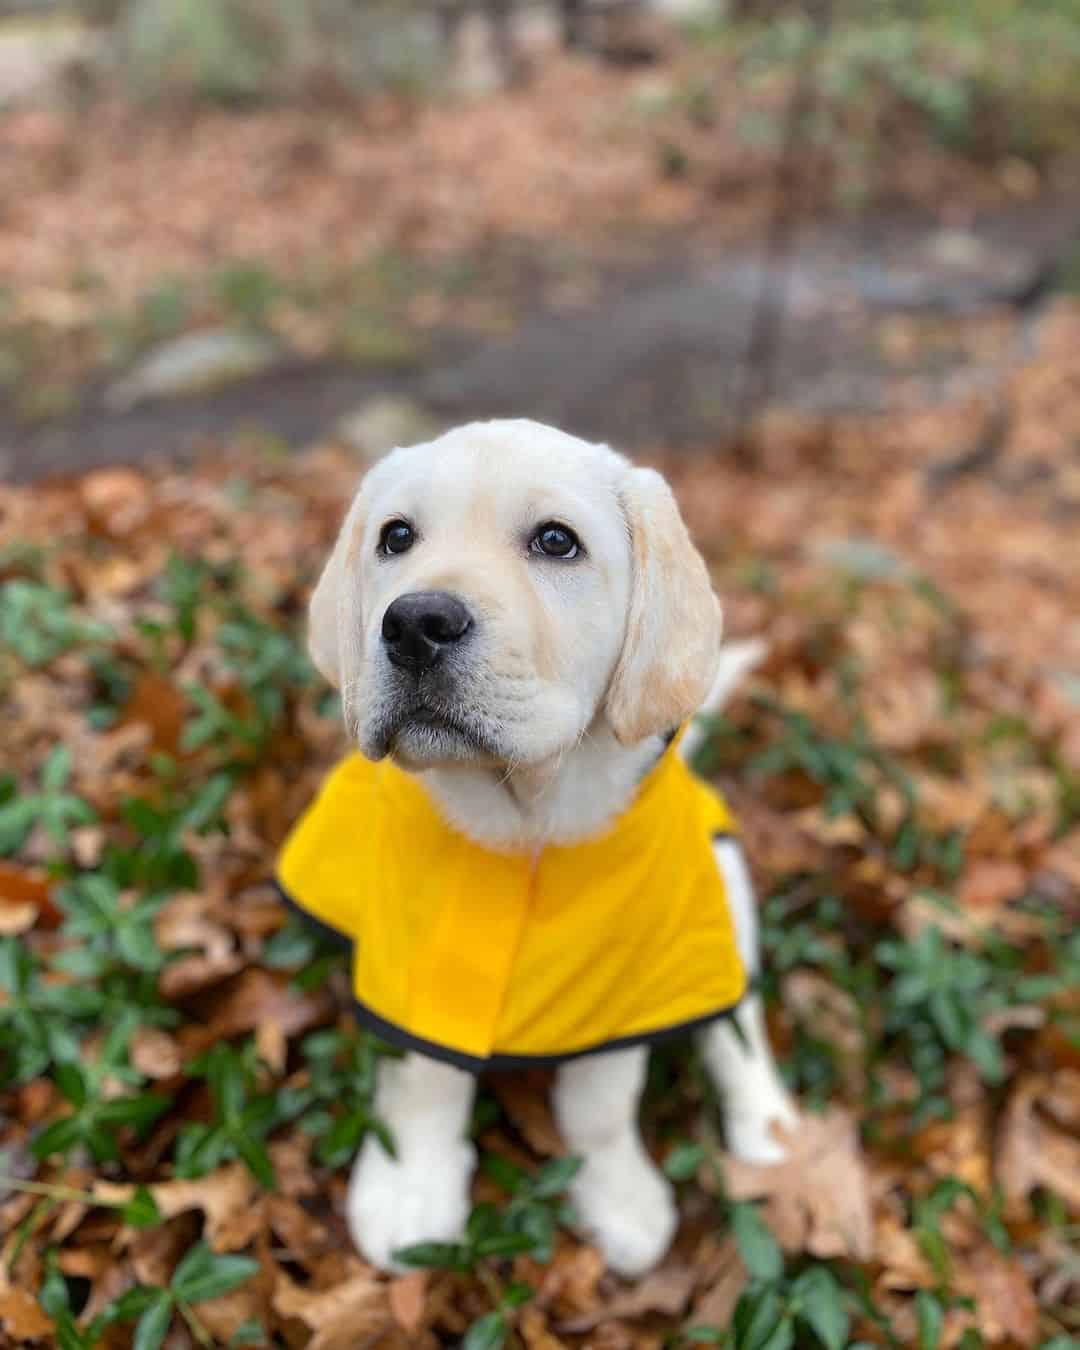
pixel 419 628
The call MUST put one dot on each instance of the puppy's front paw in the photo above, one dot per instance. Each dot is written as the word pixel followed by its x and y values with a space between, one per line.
pixel 392 1203
pixel 626 1206
pixel 749 1126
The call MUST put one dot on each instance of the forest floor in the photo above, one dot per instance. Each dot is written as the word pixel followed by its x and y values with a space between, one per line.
pixel 182 1075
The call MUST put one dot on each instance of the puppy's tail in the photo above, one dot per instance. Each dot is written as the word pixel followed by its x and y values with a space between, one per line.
pixel 737 660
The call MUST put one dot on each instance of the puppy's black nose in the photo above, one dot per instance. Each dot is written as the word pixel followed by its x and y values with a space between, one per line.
pixel 417 628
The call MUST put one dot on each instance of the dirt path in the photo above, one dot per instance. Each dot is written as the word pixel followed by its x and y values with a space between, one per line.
pixel 890 309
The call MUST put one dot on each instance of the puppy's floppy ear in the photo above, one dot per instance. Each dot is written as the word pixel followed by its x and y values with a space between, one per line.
pixel 672 642
pixel 334 601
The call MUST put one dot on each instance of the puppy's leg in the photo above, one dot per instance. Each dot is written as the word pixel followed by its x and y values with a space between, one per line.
pixel 740 1059
pixel 422 1195
pixel 623 1201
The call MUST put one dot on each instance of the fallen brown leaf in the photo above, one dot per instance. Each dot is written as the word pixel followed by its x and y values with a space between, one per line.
pixel 989 884
pixel 903 1265
pixel 819 1002
pixel 116 500
pixel 715 1305
pixel 272 1045
pixel 182 923
pixel 407 1296
pixel 1064 858
pixel 342 1317
pixel 291 1157
pixel 23 1318
pixel 618 1336
pixel 535 1332
pixel 256 998
pixel 17 918
pixel 1062 1099
pixel 87 845
pixel 228 1198
pixel 818 1199
pixel 223 1317
pixel 1005 1305
pixel 156 703
pixel 1032 1152
pixel 525 1097
pixel 664 1290
pixel 155 1252
pixel 570 1281
pixel 155 1053
pixel 24 895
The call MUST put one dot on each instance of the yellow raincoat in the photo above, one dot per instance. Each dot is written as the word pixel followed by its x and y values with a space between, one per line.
pixel 500 960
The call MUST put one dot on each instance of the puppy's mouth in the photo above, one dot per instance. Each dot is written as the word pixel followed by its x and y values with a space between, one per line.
pixel 422 733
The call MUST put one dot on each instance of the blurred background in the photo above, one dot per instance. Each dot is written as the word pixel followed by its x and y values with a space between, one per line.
pixel 819 262
pixel 648 221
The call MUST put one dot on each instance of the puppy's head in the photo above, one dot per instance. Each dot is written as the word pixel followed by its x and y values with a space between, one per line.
pixel 493 592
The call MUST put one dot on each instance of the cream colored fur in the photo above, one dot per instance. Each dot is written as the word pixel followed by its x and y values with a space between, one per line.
pixel 576 669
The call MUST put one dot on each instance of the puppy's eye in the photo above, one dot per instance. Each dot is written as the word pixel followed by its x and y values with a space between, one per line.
pixel 555 541
pixel 397 536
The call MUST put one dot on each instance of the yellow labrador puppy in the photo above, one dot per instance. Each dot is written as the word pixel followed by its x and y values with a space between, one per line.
pixel 519 625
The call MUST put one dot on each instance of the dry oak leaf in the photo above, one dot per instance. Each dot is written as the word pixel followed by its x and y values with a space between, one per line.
pixel 1064 858
pixel 966 924
pixel 116 500
pixel 100 1265
pixel 16 918
pixel 904 709
pixel 226 1197
pixel 818 1199
pixel 715 1306
pixel 87 844
pixel 534 1331
pixel 570 1280
pixel 22 1317
pixel 903 1265
pixel 830 830
pixel 989 884
pixel 903 1319
pixel 24 894
pixel 618 1336
pixel 304 1238
pixel 407 1297
pixel 665 1290
pixel 1005 1305
pixel 341 1317
pixel 156 703
pixel 822 1004
pixel 87 1263
pixel 259 997
pixel 959 1147
pixel 525 1097
pixel 1031 1152
pixel 184 923
pixel 223 1317
pixel 271 1045
pixel 155 1053
pixel 291 1160
pixel 157 1251
pixel 1062 1099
